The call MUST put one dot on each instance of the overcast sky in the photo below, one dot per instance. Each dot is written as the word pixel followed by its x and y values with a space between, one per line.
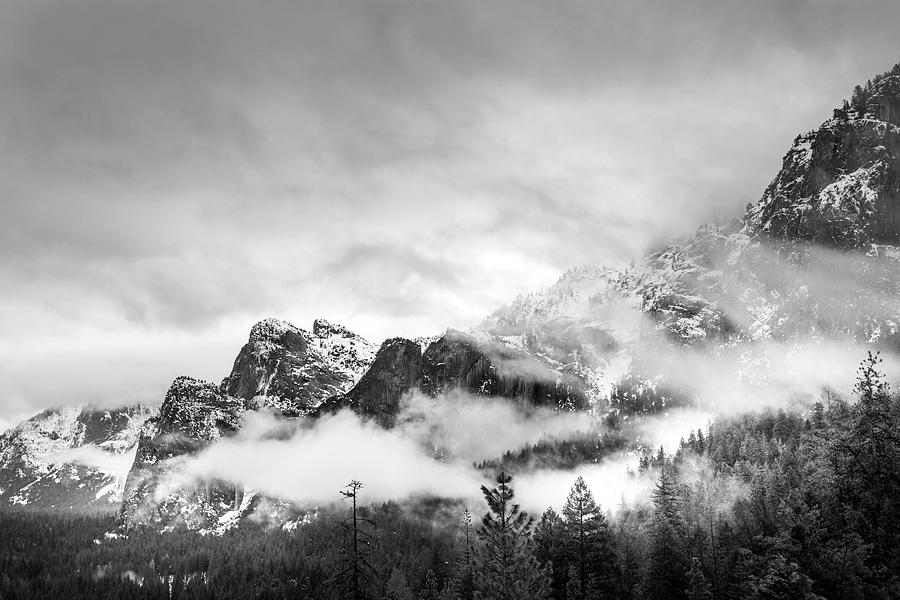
pixel 172 171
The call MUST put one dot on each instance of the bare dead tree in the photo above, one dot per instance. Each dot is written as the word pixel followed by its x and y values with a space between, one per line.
pixel 356 552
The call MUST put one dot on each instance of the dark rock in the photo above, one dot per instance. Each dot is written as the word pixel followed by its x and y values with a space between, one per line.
pixel 489 368
pixel 396 370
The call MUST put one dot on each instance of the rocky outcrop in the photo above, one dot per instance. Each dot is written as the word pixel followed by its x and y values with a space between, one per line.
pixel 292 370
pixel 883 102
pixel 281 368
pixel 840 184
pixel 396 370
pixel 194 414
pixel 456 361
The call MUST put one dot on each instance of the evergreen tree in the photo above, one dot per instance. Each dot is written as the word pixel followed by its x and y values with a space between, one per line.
pixel 398 587
pixel 698 586
pixel 549 549
pixel 588 542
pixel 461 585
pixel 357 567
pixel 869 466
pixel 781 580
pixel 505 568
pixel 430 589
pixel 574 591
pixel 665 573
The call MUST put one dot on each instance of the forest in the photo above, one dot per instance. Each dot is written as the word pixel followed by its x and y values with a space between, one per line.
pixel 777 505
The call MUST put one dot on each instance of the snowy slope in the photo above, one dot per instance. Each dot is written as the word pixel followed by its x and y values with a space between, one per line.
pixel 74 457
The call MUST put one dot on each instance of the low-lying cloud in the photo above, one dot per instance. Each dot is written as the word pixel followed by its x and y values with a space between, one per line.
pixel 473 429
pixel 115 464
pixel 310 466
pixel 431 451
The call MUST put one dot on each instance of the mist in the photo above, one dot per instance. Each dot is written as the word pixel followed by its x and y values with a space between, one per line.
pixel 474 429
pixel 437 441
pixel 115 464
pixel 431 452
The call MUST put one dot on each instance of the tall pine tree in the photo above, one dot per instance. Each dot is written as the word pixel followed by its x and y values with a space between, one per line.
pixel 505 568
pixel 588 543
pixel 665 575
pixel 549 549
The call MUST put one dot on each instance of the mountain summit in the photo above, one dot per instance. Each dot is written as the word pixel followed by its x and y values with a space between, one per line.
pixel 840 184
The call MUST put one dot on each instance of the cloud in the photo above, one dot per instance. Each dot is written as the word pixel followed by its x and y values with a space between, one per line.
pixel 115 464
pixel 180 167
pixel 614 482
pixel 324 458
pixel 431 452
pixel 465 427
pixel 308 461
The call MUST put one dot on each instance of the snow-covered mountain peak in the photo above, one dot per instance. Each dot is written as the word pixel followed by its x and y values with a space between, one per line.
pixel 270 330
pixel 839 185
pixel 323 328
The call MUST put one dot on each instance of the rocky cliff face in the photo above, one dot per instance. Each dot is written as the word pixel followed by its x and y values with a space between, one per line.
pixel 487 366
pixel 292 370
pixel 193 414
pixel 839 185
pixel 74 458
pixel 396 370
pixel 281 368
pixel 481 365
pixel 816 258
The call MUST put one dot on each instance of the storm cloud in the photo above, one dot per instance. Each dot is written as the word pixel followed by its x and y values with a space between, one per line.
pixel 172 171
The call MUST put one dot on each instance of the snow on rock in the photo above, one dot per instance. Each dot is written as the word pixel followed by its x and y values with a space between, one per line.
pixel 281 368
pixel 72 457
pixel 292 370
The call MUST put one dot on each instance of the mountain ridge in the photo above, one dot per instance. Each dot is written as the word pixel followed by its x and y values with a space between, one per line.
pixel 816 259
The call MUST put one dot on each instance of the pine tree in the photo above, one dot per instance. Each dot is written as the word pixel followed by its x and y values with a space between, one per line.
pixel 665 574
pixel 698 586
pixel 549 549
pixel 574 591
pixel 858 99
pixel 588 541
pixel 430 589
pixel 398 587
pixel 461 583
pixel 869 455
pixel 505 568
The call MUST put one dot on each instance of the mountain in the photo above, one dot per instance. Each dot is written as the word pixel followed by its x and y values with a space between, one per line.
pixel 839 184
pixel 292 370
pixel 478 364
pixel 72 458
pixel 281 368
pixel 814 260
pixel 193 414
